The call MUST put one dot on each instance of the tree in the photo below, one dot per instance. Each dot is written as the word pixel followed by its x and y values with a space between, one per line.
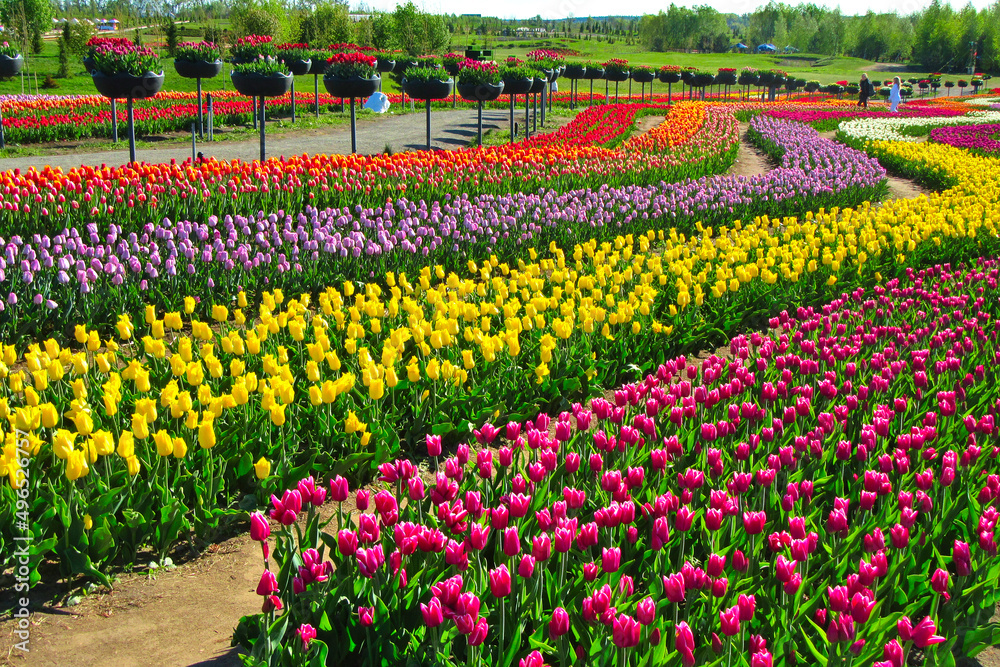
pixel 259 17
pixel 328 24
pixel 24 19
pixel 171 35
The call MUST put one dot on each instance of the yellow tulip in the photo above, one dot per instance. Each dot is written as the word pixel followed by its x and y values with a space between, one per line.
pixel 206 434
pixel 180 448
pixel 76 465
pixel 277 414
pixel 262 469
pixel 126 445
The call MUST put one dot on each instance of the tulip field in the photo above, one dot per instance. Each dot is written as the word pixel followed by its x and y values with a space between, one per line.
pixel 458 398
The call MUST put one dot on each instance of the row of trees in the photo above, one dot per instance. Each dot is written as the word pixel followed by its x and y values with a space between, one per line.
pixel 328 22
pixel 938 38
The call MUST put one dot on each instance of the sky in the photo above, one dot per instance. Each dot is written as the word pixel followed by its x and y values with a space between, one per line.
pixel 553 9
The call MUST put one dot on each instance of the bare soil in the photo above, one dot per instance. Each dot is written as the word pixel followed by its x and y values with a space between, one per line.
pixel 750 160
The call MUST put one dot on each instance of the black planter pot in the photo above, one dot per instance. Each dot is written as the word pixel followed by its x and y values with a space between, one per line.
pixel 669 77
pixel 549 73
pixel 517 86
pixel 10 66
pixel 553 74
pixel 318 66
pixel 385 66
pixel 89 64
pixel 403 65
pixel 480 92
pixel 257 85
pixel 594 73
pixel 616 75
pixel 352 87
pixel 538 85
pixel 121 86
pixel 428 90
pixel 198 69
pixel 643 76
pixel 298 67
pixel 452 70
pixel 575 72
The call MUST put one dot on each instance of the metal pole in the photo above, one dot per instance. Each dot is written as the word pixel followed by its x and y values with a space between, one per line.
pixel 480 139
pixel 354 129
pixel 293 99
pixel 607 90
pixel 511 119
pixel 428 111
pixel 616 91
pixel 254 112
pixel 262 119
pixel 201 118
pixel 630 89
pixel 316 92
pixel 3 139
pixel 534 115
pixel 131 132
pixel 194 150
pixel 211 118
pixel 591 92
pixel 543 100
pixel 527 106
pixel 114 120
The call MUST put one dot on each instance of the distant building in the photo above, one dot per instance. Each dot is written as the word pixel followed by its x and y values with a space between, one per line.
pixel 524 32
pixel 358 18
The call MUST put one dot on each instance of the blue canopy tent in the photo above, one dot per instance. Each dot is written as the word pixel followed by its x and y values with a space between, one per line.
pixel 740 47
pixel 767 48
pixel 791 49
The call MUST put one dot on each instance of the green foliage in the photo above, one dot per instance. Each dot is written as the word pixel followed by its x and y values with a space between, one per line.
pixel 425 74
pixel 262 66
pixel 259 17
pixel 24 20
pixel 171 36
pixel 700 28
pixel 63 59
pixel 328 24
pixel 76 36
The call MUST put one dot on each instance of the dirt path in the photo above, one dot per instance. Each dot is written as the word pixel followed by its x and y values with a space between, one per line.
pixel 750 160
pixel 182 617
pixel 449 130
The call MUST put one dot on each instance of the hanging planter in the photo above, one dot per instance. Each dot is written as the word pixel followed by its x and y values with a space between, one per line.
pixel 616 75
pixel 298 67
pixel 262 85
pixel 355 86
pixel 575 71
pixel 428 89
pixel 10 66
pixel 318 66
pixel 594 73
pixel 122 86
pixel 198 69
pixel 480 92
pixel 643 76
pixel 403 65
pixel 518 85
pixel 385 65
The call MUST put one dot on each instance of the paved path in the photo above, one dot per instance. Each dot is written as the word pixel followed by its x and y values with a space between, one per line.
pixel 449 130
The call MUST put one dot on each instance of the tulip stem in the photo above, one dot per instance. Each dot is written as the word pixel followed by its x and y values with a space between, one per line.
pixel 503 624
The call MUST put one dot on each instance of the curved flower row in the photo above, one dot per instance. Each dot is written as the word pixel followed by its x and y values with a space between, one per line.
pixel 888 129
pixel 979 138
pixel 298 250
pixel 136 195
pixel 785 492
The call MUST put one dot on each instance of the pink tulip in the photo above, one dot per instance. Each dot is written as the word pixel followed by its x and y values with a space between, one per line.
pixel 684 643
pixel 625 631
pixel 558 624
pixel 306 633
pixel 645 611
pixel 939 583
pixel 674 587
pixel 433 445
pixel 432 613
pixel 478 634
pixel 500 582
pixel 511 542
pixel 260 529
pixel 339 489
pixel 268 584
pixel 366 616
pixel 747 605
pixel 611 559
pixel 922 635
pixel 730 620
pixel 526 567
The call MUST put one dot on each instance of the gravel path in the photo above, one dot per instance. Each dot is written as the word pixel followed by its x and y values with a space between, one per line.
pixel 449 130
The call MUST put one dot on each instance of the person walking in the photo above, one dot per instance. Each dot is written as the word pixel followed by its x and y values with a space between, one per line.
pixel 894 96
pixel 866 91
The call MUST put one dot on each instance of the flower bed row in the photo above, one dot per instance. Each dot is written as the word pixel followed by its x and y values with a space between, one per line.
pixel 824 493
pixel 978 138
pixel 297 252
pixel 355 375
pixel 134 196
pixel 892 129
